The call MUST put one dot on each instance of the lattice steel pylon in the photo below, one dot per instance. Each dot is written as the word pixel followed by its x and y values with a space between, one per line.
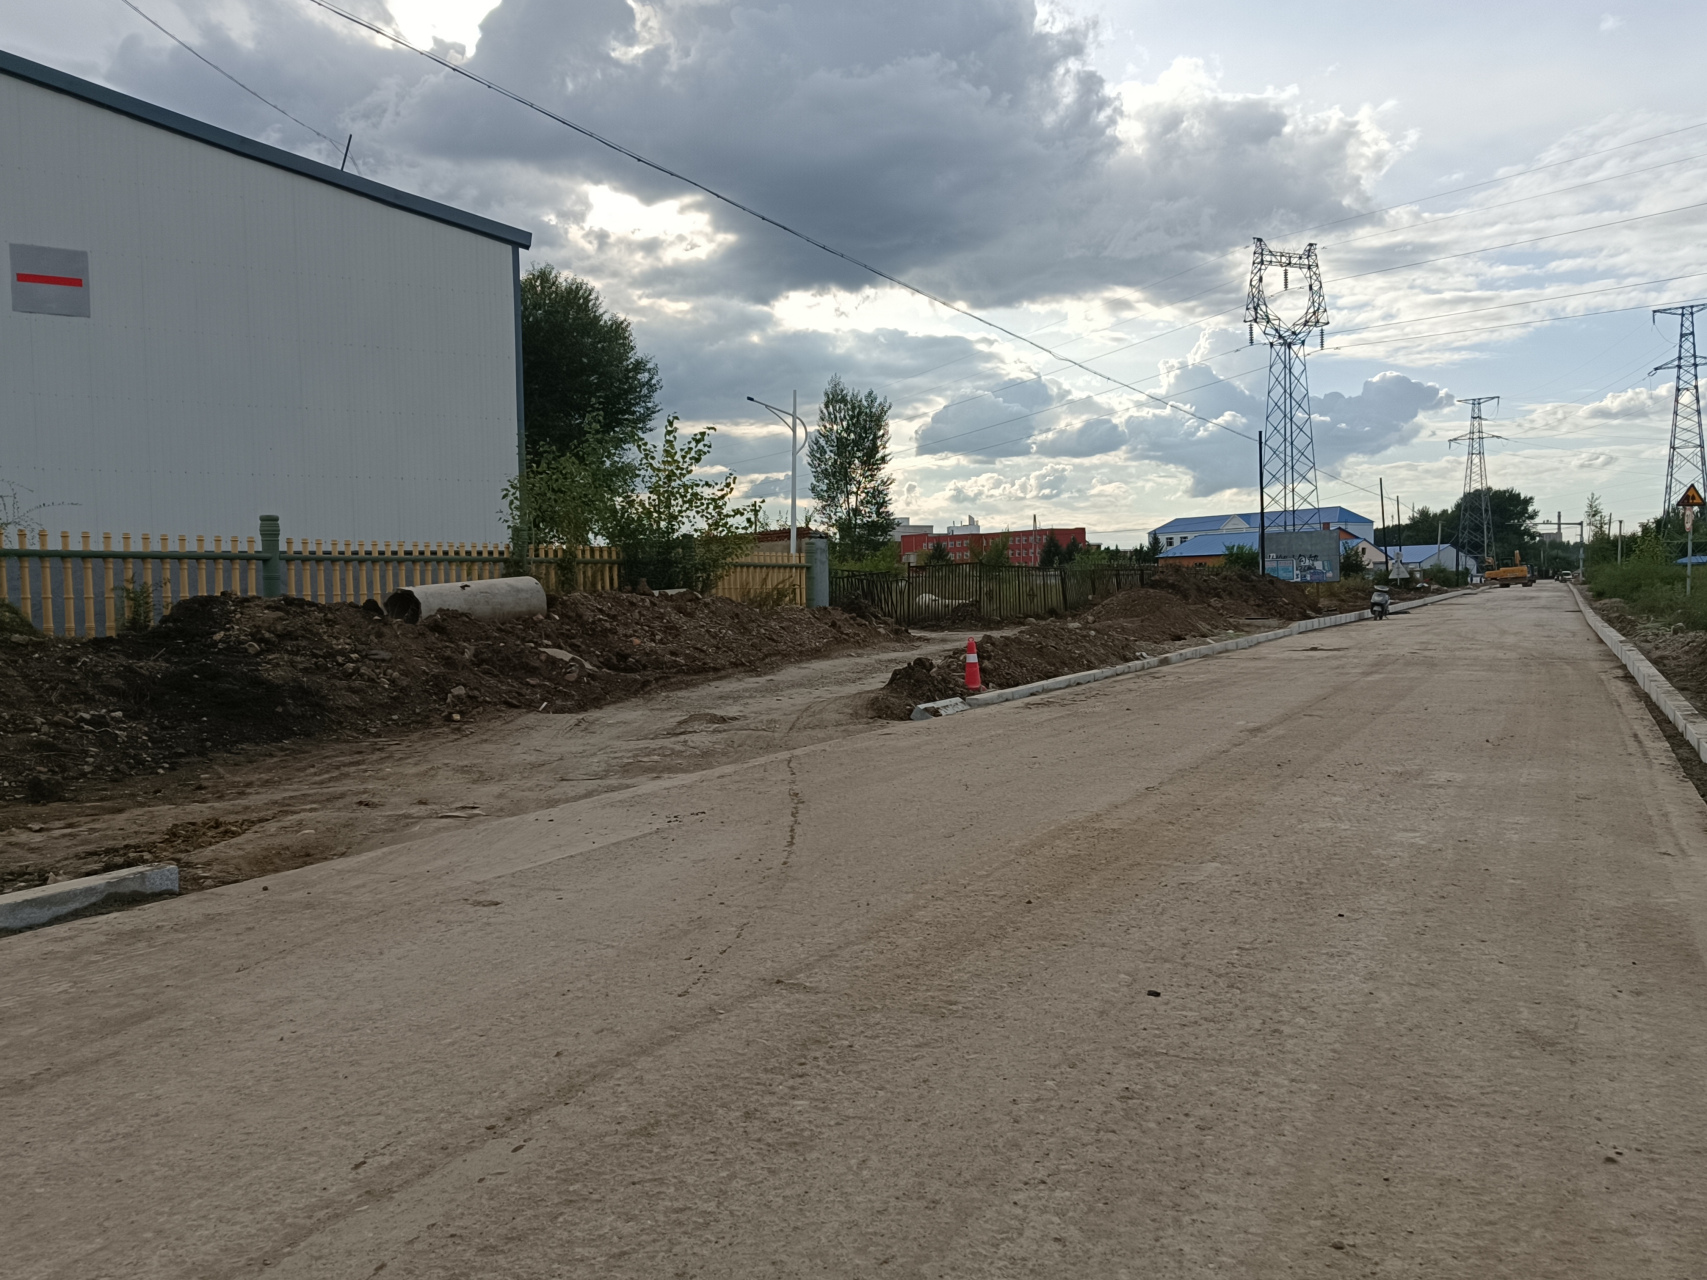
pixel 1686 463
pixel 1289 454
pixel 1475 518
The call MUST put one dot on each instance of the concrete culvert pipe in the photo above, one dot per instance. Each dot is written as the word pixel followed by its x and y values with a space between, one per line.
pixel 493 599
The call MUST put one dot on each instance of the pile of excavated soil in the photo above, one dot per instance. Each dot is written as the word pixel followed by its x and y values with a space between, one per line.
pixel 222 674
pixel 1180 609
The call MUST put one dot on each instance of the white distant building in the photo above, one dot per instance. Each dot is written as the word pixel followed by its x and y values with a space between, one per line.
pixel 905 527
pixel 202 328
pixel 1430 555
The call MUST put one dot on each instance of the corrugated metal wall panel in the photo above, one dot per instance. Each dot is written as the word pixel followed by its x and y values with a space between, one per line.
pixel 258 342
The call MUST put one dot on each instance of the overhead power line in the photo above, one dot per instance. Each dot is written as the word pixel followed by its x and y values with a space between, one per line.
pixel 209 62
pixel 1509 177
pixel 1515 244
pixel 736 204
pixel 1431 223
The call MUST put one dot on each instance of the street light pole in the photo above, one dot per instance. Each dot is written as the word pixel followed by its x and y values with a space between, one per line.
pixel 793 470
pixel 796 432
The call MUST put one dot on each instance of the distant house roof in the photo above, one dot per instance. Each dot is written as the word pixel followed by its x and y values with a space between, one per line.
pixel 1212 544
pixel 1411 553
pixel 1248 520
pixel 160 117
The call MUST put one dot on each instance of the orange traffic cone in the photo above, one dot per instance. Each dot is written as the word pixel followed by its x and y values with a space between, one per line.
pixel 973 683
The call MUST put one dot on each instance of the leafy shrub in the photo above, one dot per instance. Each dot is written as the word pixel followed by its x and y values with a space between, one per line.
pixel 1241 559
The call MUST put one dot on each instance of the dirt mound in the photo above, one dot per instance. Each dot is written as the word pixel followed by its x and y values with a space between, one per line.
pixel 1179 610
pixel 921 680
pixel 1152 614
pixel 1231 595
pixel 222 673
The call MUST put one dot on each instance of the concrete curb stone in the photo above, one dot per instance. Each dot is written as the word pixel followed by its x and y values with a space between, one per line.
pixel 954 706
pixel 1672 704
pixel 26 908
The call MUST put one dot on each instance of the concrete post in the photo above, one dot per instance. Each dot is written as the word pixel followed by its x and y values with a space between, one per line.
pixel 817 571
pixel 272 568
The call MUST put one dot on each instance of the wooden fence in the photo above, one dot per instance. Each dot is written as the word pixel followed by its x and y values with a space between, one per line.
pixel 88 590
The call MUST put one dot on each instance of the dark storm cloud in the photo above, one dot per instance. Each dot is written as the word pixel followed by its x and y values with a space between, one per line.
pixel 955 142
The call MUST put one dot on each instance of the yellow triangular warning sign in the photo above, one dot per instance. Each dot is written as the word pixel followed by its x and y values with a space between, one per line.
pixel 1692 498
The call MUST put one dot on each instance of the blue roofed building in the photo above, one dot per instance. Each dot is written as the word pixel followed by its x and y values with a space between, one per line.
pixel 1179 530
pixel 1208 548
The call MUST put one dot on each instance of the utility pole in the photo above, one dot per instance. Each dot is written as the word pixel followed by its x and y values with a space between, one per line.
pixel 1620 542
pixel 1288 466
pixel 796 432
pixel 1262 514
pixel 1686 462
pixel 793 472
pixel 1475 516
pixel 1381 492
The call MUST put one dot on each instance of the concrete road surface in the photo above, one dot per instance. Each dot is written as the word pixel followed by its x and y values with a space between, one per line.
pixel 1373 952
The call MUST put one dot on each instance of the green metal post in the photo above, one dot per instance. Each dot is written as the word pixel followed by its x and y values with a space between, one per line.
pixel 272 568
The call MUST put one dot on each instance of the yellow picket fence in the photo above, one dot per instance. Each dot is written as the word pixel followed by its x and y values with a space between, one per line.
pixel 85 590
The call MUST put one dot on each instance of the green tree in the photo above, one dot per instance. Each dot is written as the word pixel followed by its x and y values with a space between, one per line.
pixel 938 554
pixel 1051 554
pixel 849 457
pixel 995 553
pixel 570 497
pixel 1596 523
pixel 582 379
pixel 1240 558
pixel 1351 562
pixel 676 527
pixel 1512 514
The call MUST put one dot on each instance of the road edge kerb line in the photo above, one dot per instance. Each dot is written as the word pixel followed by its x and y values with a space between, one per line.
pixel 1672 704
pixel 27 908
pixel 954 706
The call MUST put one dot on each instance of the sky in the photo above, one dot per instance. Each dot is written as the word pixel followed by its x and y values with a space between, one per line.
pixel 1499 195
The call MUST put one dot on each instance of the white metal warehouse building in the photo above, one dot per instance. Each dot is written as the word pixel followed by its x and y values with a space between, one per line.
pixel 202 328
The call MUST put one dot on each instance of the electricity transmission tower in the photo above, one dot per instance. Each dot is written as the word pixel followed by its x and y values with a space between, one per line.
pixel 1475 519
pixel 1686 464
pixel 1289 448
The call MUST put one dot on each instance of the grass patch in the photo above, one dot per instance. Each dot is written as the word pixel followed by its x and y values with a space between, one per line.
pixel 1653 591
pixel 14 623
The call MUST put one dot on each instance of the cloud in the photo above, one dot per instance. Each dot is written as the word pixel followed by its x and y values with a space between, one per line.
pixel 1379 417
pixel 970 146
pixel 998 425
pixel 966 145
pixel 1215 454
pixel 1085 439
pixel 1049 483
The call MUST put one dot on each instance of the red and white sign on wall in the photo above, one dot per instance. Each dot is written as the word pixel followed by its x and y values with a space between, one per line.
pixel 50 282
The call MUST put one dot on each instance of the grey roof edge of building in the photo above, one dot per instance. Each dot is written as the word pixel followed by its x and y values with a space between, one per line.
pixel 101 96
